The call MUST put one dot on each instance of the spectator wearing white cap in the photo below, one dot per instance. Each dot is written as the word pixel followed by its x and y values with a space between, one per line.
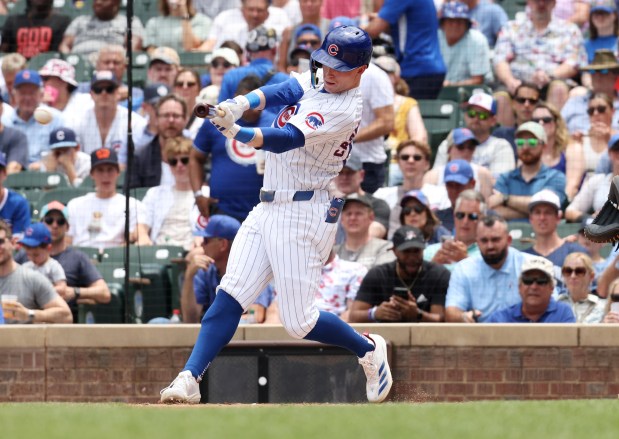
pixel 236 24
pixel 223 60
pixel 65 156
pixel 493 153
pixel 60 89
pixel 28 95
pixel 535 286
pixel 514 189
pixel 465 51
pixel 178 26
pixel 545 215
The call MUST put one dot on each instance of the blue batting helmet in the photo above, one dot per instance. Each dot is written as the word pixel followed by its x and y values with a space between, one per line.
pixel 345 48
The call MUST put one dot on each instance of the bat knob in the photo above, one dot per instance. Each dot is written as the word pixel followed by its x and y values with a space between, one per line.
pixel 201 111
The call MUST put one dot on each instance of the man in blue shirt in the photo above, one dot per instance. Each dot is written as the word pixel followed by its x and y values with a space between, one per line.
pixel 261 50
pixel 535 286
pixel 488 18
pixel 14 208
pixel 414 28
pixel 515 188
pixel 482 284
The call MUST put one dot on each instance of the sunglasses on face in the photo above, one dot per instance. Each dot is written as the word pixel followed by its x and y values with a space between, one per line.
pixel 308 42
pixel 578 271
pixel 216 64
pixel 174 161
pixel 521 100
pixel 466 145
pixel 407 157
pixel 49 221
pixel 526 143
pixel 543 120
pixel 470 216
pixel 603 71
pixel 410 209
pixel 187 84
pixel 601 109
pixel 482 115
pixel 535 280
pixel 109 89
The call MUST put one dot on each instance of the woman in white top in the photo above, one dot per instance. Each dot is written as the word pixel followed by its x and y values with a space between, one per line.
pixel 168 208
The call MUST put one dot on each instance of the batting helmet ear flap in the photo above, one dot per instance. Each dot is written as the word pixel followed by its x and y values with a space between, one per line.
pixel 314 66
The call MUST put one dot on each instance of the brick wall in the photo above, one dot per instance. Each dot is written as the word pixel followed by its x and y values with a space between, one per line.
pixel 430 363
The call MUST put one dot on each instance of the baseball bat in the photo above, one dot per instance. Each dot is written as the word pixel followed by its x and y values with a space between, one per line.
pixel 207 111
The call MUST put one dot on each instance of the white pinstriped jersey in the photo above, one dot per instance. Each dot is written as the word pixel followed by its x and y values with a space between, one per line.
pixel 329 123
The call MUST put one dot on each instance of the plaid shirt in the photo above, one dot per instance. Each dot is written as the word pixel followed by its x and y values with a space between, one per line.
pixel 526 50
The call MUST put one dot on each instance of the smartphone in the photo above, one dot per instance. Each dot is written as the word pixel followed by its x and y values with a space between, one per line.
pixel 614 307
pixel 400 292
pixel 446 238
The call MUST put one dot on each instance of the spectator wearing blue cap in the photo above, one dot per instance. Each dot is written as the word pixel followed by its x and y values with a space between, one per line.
pixel 65 156
pixel 465 51
pixel 591 196
pixel 37 242
pixel 469 208
pixel 28 95
pixel 105 124
pixel 14 208
pixel 207 265
pixel 461 147
pixel 416 212
pixel 458 176
pixel 305 35
pixel 603 27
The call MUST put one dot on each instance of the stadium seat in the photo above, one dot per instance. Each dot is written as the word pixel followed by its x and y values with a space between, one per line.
pixel 83 68
pixel 513 7
pixel 195 60
pixel 144 10
pixel 462 93
pixel 522 234
pixel 138 192
pixel 440 117
pixel 113 312
pixel 38 61
pixel 566 229
pixel 35 180
pixel 93 253
pixel 72 8
pixel 62 194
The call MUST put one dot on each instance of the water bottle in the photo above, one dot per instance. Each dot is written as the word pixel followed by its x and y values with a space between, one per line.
pixel 176 316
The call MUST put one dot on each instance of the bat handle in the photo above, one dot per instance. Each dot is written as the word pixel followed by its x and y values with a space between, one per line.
pixel 207 111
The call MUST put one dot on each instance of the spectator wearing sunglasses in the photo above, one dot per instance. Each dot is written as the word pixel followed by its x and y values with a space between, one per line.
pixel 604 71
pixel 514 189
pixel 468 210
pixel 261 51
pixel 578 275
pixel 168 207
pixel 590 198
pixel 85 285
pixel 461 147
pixel 545 216
pixel 559 152
pixel 65 157
pixel 535 285
pixel 515 110
pixel 223 60
pixel 105 124
pixel 493 153
pixel 306 35
pixel 481 284
pixel 415 212
pixel 37 243
pixel 187 86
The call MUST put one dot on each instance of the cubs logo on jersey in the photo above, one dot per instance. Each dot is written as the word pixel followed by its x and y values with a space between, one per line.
pixel 240 153
pixel 314 120
pixel 284 116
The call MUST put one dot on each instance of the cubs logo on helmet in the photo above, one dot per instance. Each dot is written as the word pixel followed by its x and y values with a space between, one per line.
pixel 314 120
pixel 333 49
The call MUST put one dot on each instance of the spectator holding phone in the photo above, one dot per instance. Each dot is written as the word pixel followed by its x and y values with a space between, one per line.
pixel 408 289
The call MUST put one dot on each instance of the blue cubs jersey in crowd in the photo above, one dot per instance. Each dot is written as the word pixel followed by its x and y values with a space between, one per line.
pixel 234 180
pixel 14 210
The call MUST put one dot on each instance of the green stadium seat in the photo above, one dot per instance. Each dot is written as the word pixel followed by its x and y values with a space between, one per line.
pixel 113 312
pixel 83 68
pixel 145 9
pixel 439 117
pixel 462 93
pixel 35 180
pixel 72 9
pixel 566 229
pixel 513 7
pixel 522 235
pixel 63 194
pixel 195 60
pixel 93 253
pixel 38 61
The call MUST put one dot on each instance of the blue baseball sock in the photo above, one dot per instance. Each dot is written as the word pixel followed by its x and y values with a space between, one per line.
pixel 330 329
pixel 218 327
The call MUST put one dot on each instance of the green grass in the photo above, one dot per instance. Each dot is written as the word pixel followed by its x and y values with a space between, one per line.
pixel 506 419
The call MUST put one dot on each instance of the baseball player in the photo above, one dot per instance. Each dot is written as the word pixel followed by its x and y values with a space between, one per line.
pixel 287 237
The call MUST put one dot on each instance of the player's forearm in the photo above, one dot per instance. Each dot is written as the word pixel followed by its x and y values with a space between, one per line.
pixel 277 95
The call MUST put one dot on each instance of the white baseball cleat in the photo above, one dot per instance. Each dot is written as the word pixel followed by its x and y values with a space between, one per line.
pixel 184 389
pixel 377 370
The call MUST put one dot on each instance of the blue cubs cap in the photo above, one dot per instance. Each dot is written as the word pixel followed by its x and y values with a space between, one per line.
pixel 613 141
pixel 416 194
pixel 62 138
pixel 27 77
pixel 461 135
pixel 345 48
pixel 455 10
pixel 607 6
pixel 307 29
pixel 221 226
pixel 2 158
pixel 458 171
pixel 35 235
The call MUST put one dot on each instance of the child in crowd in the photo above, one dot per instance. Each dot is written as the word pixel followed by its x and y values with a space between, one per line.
pixel 37 242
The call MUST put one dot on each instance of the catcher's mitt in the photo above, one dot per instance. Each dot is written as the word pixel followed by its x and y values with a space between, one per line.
pixel 605 226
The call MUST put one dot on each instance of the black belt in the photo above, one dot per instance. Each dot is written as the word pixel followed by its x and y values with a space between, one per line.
pixel 269 196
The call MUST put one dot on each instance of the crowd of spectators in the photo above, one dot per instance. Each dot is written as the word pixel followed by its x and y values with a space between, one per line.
pixel 425 231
